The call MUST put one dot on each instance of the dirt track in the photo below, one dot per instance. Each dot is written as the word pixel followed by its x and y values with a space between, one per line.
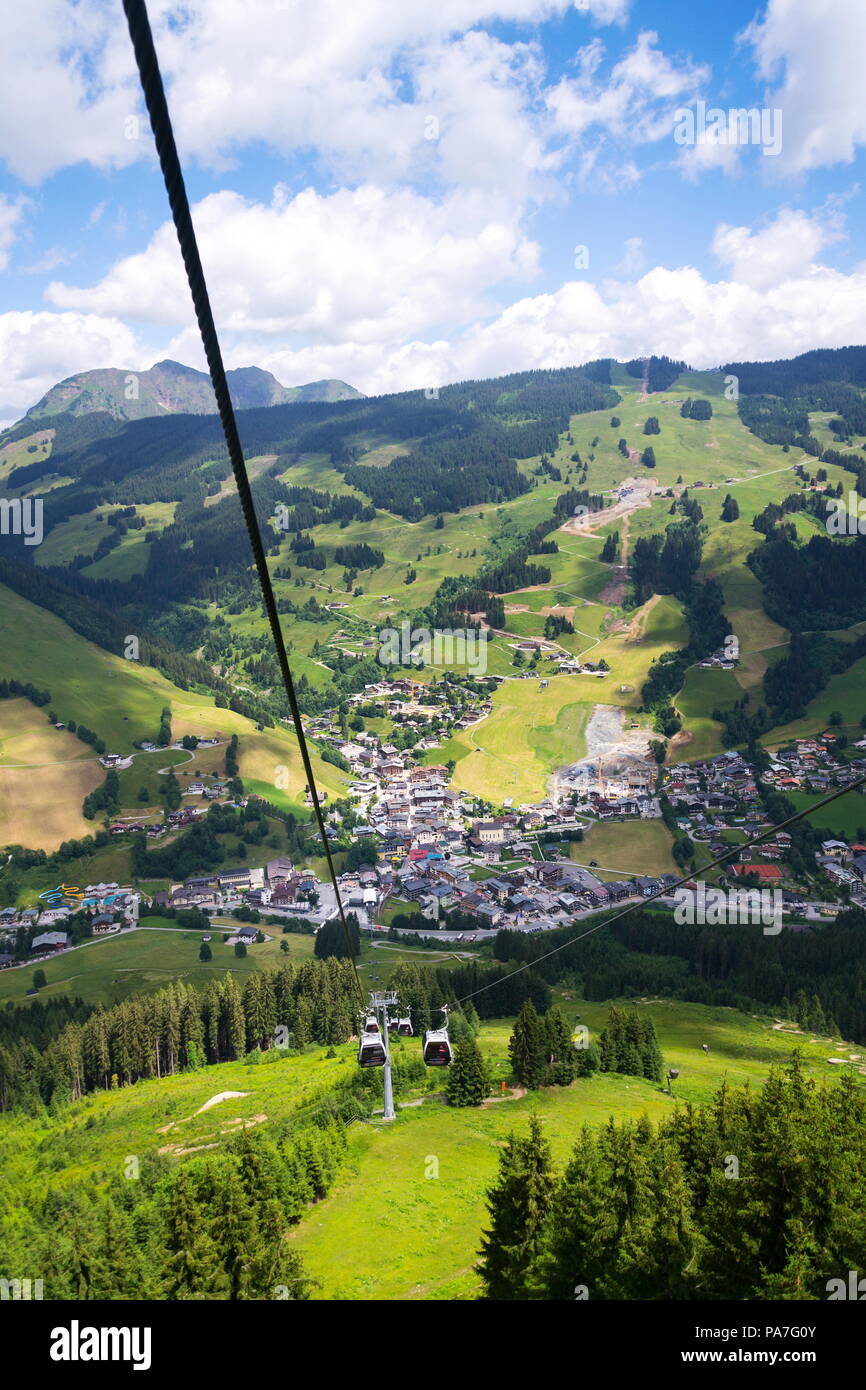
pixel 640 497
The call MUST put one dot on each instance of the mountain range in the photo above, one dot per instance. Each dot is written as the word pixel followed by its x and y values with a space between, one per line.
pixel 170 388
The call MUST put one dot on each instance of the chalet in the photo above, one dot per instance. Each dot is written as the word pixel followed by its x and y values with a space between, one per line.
pixel 835 849
pixel 103 924
pixel 489 913
pixel 646 886
pixel 278 870
pixel 51 915
pixel 283 894
pixel 50 941
pixel 619 890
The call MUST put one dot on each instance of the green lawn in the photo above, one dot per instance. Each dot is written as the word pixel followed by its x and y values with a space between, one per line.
pixel 109 969
pixel 420 1183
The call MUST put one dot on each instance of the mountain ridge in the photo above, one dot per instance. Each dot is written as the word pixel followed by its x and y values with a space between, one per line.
pixel 171 388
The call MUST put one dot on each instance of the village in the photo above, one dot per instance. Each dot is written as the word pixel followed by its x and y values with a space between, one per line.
pixel 424 850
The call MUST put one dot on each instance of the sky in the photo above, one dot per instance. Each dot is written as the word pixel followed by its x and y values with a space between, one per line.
pixel 407 194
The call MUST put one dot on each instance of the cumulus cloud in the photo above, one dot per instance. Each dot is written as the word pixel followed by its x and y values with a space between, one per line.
pixel 382 291
pixel 777 300
pixel 39 349
pixel 339 80
pixel 635 102
pixel 68 86
pixel 362 264
pixel 786 248
pixel 814 53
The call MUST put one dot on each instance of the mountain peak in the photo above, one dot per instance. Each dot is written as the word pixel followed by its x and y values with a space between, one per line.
pixel 172 388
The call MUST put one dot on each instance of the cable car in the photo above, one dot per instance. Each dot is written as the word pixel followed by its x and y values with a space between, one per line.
pixel 393 1025
pixel 371 1051
pixel 404 1027
pixel 437 1045
pixel 370 1024
pixel 437 1048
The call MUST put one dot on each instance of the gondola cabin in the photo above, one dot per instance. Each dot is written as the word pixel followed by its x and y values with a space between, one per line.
pixel 437 1048
pixel 370 1025
pixel 371 1051
pixel 404 1027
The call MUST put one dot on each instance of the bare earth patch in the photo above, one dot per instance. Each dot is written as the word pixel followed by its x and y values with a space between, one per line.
pixel 223 1095
pixel 243 1124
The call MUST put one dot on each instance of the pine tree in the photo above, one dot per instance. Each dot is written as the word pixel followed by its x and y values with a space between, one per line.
pixel 526 1047
pixel 192 1266
pixel 518 1204
pixel 559 1048
pixel 468 1082
pixel 579 1237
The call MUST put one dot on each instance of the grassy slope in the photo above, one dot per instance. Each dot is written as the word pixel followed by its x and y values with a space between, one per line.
pixel 427 1227
pixel 122 701
pixel 45 773
pixel 112 968
pixel 431 1225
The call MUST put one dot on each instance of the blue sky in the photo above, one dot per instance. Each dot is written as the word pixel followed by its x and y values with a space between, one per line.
pixel 394 194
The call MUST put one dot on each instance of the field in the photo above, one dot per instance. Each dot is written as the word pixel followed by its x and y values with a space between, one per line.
pixel 45 773
pixel 530 732
pixel 845 818
pixel 626 848
pixel 122 700
pixel 111 968
pixel 845 692
pixel 420 1182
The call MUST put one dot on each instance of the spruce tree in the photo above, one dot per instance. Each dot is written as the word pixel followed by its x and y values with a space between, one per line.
pixel 559 1047
pixel 526 1047
pixel 468 1082
pixel 518 1204
pixel 580 1233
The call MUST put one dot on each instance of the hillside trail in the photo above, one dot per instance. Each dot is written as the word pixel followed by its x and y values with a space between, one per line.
pixel 639 496
pixel 513 1093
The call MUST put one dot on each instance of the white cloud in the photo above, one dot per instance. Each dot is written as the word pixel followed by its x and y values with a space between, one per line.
pixel 364 265
pixel 335 78
pixel 635 103
pixel 68 83
pixel 39 349
pixel 787 247
pixel 775 300
pixel 785 303
pixel 11 212
pixel 815 53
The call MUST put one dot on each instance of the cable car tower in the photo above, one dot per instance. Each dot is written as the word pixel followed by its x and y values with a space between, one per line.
pixel 382 1005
